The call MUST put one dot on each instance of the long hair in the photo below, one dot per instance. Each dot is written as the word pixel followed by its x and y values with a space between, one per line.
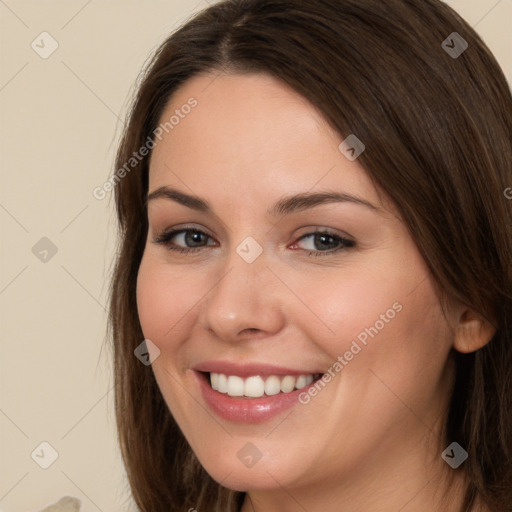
pixel 437 127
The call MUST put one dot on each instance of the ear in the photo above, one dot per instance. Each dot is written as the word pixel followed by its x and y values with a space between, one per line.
pixel 472 332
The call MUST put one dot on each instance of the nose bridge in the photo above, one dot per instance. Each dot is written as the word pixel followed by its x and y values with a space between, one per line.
pixel 243 296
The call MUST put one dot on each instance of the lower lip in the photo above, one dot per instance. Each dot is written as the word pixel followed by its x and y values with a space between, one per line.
pixel 247 410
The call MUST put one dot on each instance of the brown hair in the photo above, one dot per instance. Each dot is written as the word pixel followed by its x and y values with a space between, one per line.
pixel 438 132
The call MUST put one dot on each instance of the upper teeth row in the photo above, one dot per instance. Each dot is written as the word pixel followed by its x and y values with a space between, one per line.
pixel 256 386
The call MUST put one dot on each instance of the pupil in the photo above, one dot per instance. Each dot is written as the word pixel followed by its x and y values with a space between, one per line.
pixel 193 237
pixel 323 240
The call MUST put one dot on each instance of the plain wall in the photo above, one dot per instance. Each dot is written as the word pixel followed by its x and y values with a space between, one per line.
pixel 59 122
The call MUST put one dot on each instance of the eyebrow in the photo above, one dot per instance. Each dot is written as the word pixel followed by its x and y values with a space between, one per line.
pixel 284 206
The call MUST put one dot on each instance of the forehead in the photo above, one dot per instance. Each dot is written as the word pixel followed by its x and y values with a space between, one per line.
pixel 249 133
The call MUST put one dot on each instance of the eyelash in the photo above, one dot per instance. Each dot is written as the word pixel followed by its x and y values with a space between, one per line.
pixel 166 237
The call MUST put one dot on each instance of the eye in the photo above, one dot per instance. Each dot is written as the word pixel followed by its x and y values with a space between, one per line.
pixel 318 243
pixel 324 243
pixel 183 240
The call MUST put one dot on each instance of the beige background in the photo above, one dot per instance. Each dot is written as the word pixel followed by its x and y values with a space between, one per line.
pixel 59 126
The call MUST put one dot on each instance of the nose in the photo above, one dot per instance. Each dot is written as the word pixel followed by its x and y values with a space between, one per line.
pixel 246 301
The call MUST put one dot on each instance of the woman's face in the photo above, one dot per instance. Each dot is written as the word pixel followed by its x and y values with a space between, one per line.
pixel 278 288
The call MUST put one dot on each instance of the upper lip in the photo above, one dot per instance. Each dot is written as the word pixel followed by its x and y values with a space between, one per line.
pixel 249 369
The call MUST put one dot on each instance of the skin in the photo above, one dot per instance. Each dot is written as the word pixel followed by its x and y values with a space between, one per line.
pixel 371 439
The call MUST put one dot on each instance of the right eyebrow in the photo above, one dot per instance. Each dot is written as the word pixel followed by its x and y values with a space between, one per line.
pixel 194 202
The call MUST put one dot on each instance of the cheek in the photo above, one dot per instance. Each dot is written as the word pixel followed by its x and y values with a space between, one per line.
pixel 350 305
pixel 393 343
pixel 385 317
pixel 164 302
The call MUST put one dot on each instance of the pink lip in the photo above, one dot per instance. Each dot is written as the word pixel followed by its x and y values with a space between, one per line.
pixel 244 409
pixel 249 369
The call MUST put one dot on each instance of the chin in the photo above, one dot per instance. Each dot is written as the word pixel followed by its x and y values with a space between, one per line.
pixel 232 473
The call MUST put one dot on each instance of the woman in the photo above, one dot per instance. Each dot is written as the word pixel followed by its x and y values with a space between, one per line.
pixel 316 250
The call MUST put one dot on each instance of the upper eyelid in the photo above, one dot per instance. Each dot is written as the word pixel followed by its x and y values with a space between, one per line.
pixel 312 231
pixel 181 229
pixel 178 231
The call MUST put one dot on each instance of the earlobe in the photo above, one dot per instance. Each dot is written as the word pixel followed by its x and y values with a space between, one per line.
pixel 472 332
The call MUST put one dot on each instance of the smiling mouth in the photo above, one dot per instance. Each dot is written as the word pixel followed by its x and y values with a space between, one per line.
pixel 257 386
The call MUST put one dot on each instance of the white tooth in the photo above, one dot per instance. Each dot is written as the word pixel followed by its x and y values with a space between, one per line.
pixel 288 384
pixel 272 385
pixel 214 379
pixel 301 382
pixel 235 386
pixel 254 387
pixel 222 383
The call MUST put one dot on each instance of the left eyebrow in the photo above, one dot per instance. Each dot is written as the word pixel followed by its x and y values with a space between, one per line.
pixel 304 201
